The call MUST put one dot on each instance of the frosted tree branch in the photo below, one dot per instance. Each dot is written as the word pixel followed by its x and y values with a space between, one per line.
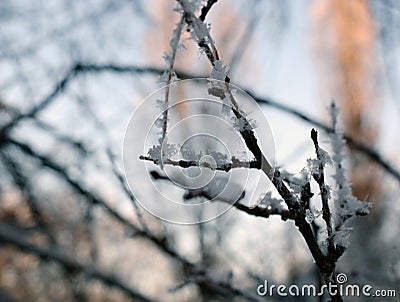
pixel 170 76
pixel 161 242
pixel 319 176
pixel 12 235
pixel 80 68
pixel 346 205
pixel 297 204
pixel 226 167
pixel 206 8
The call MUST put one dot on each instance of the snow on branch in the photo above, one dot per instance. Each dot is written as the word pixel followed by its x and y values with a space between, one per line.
pixel 317 168
pixel 170 76
pixel 219 165
pixel 338 204
pixel 346 205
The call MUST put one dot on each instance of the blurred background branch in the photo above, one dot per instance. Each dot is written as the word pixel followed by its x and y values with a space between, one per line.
pixel 73 72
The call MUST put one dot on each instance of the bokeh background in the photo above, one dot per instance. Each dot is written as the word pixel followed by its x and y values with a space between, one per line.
pixel 73 72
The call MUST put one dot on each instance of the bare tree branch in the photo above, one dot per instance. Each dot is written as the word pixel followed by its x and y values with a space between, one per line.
pixel 325 264
pixel 265 212
pixel 80 68
pixel 23 183
pixel 206 8
pixel 94 68
pixel 234 164
pixel 324 190
pixel 11 235
pixel 161 242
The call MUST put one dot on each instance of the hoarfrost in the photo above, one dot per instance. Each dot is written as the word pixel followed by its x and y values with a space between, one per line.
pixel 266 200
pixel 242 124
pixel 346 205
pixel 309 216
pixel 342 237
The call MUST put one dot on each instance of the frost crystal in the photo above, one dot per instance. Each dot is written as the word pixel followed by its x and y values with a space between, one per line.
pixel 323 246
pixel 220 158
pixel 167 56
pixel 163 79
pixel 226 107
pixel 296 183
pixel 242 124
pixel 316 212
pixel 189 6
pixel 309 216
pixel 160 154
pixel 219 71
pixel 346 205
pixel 189 154
pixel 324 157
pixel 217 87
pixel 155 153
pixel 322 160
pixel 270 202
pixel 342 237
pixel 161 104
pixel 201 32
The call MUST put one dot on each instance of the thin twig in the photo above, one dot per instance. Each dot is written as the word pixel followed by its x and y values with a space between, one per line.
pixel 174 45
pixel 24 185
pixel 324 190
pixel 226 167
pixel 258 211
pixel 11 235
pixel 80 68
pixel 325 264
pixel 160 242
pixel 206 8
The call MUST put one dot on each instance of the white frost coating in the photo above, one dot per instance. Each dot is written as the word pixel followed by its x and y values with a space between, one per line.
pixel 309 216
pixel 353 206
pixel 317 213
pixel 313 214
pixel 328 190
pixel 189 154
pixel 217 88
pixel 296 183
pixel 266 200
pixel 314 164
pixel 155 153
pixel 201 32
pixel 167 56
pixel 342 237
pixel 325 159
pixel 226 107
pixel 189 6
pixel 220 158
pixel 219 71
pixel 160 154
pixel 346 205
pixel 161 104
pixel 243 124
pixel 323 246
pixel 164 78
